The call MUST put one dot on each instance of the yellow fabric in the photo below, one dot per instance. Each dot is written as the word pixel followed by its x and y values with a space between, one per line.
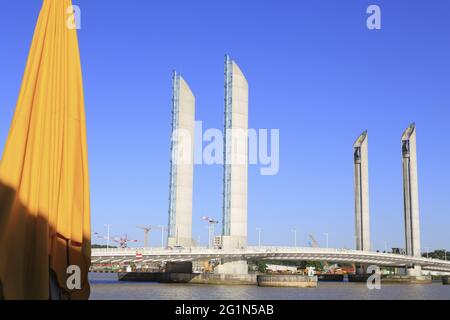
pixel 44 183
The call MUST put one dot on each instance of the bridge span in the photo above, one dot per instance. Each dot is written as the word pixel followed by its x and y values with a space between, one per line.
pixel 146 255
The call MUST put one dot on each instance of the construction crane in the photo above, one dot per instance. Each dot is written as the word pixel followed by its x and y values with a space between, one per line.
pixel 211 226
pixel 122 241
pixel 314 244
pixel 146 233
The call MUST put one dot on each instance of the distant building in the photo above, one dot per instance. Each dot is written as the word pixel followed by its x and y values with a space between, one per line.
pixel 399 251
pixel 279 268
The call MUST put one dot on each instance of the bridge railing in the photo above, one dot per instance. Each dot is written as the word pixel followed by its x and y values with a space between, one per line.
pixel 200 250
pixel 330 254
pixel 251 250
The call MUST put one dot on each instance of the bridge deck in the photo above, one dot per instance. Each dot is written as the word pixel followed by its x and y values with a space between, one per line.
pixel 265 253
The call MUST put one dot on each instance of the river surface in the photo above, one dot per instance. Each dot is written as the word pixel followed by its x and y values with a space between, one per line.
pixel 105 286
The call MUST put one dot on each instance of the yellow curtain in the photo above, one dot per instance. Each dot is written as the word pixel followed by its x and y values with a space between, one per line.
pixel 44 183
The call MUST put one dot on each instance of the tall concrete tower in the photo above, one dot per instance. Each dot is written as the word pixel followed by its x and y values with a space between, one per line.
pixel 411 192
pixel 235 157
pixel 362 212
pixel 181 164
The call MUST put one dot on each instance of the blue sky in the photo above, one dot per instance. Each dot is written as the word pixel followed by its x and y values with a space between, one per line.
pixel 315 72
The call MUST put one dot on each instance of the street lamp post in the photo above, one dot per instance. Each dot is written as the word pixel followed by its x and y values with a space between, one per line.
pixel 210 235
pixel 162 236
pixel 295 237
pixel 259 236
pixel 326 234
pixel 107 236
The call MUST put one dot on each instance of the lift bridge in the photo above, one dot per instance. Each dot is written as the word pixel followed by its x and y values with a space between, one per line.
pixel 148 255
pixel 234 253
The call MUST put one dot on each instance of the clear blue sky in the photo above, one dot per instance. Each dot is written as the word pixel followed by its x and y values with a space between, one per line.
pixel 315 72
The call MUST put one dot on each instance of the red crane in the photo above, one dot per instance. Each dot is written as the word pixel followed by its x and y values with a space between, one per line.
pixel 122 241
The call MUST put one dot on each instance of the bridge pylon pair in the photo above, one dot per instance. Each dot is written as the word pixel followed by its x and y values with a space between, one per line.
pixel 235 161
pixel 410 195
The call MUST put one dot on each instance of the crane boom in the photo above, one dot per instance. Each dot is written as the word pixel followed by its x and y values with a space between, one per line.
pixel 315 244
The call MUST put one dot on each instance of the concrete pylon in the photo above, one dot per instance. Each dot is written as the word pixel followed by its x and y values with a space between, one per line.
pixel 234 232
pixel 182 164
pixel 362 211
pixel 235 157
pixel 411 192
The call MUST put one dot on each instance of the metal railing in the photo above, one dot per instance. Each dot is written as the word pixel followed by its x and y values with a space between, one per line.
pixel 333 253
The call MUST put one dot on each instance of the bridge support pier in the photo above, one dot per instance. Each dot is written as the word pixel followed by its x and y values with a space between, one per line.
pixel 360 269
pixel 232 267
pixel 415 271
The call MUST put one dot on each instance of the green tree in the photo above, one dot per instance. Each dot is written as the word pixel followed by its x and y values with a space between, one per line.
pixel 438 254
pixel 261 266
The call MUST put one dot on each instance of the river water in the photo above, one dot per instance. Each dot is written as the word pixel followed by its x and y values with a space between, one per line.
pixel 105 286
